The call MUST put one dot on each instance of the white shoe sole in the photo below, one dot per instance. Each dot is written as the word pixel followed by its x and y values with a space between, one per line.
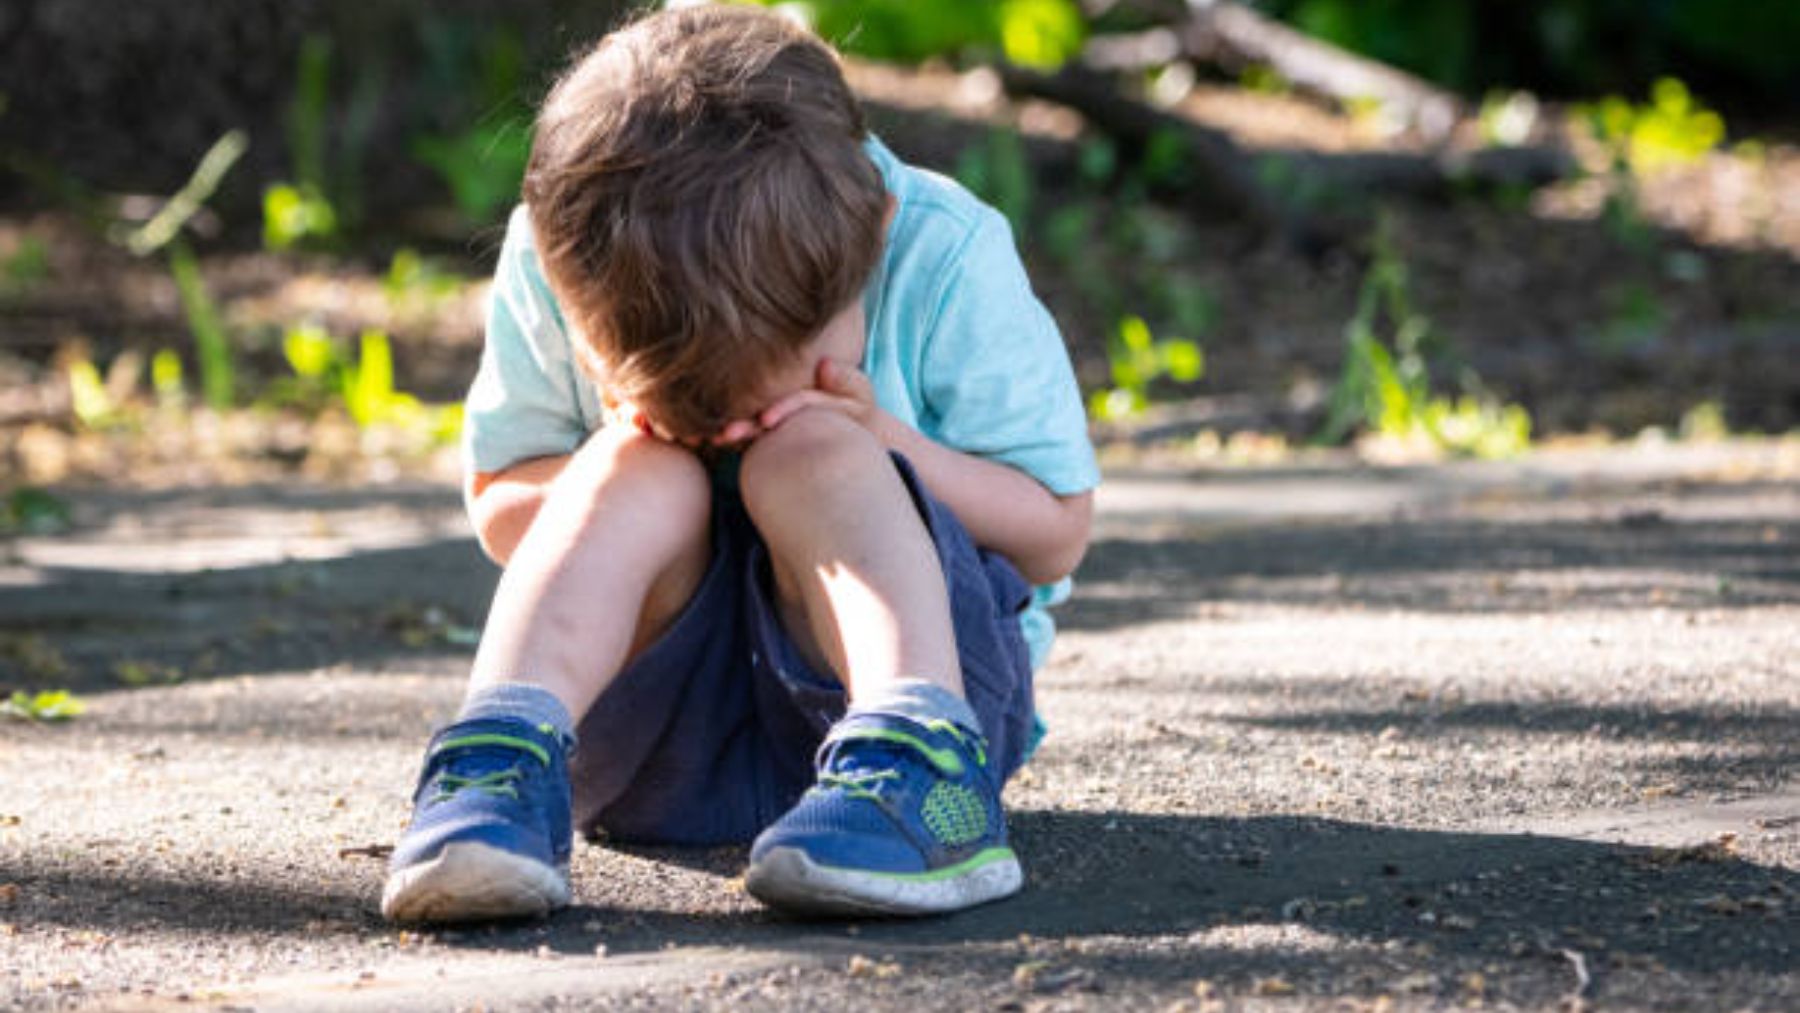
pixel 787 878
pixel 471 881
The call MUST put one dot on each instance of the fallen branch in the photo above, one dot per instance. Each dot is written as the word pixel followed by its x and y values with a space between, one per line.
pixel 1231 36
pixel 1231 174
pixel 1228 33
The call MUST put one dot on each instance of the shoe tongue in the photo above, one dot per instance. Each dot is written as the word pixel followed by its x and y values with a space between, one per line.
pixel 870 744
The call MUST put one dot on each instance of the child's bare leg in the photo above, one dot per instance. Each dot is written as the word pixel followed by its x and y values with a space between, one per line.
pixel 905 816
pixel 857 576
pixel 619 546
pixel 616 551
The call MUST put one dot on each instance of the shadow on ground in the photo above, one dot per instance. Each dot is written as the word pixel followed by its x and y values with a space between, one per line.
pixel 1101 874
pixel 1442 566
pixel 91 629
pixel 75 626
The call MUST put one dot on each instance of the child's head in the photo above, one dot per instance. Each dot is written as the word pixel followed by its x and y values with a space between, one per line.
pixel 703 205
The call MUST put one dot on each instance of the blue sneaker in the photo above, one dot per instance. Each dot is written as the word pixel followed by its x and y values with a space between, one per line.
pixel 490 835
pixel 904 819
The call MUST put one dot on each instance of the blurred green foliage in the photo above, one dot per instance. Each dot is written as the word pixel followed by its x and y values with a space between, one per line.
pixel 25 267
pixel 302 211
pixel 362 383
pixel 480 151
pixel 1386 386
pixel 1673 128
pixel 998 170
pixel 1138 359
pixel 1032 33
pixel 32 511
pixel 163 232
pixel 47 706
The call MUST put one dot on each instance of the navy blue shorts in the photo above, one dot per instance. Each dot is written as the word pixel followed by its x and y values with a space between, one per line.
pixel 708 735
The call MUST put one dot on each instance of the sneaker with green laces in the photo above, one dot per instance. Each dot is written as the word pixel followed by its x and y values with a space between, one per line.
pixel 490 832
pixel 904 819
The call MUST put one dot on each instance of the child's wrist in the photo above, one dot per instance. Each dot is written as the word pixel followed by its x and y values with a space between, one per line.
pixel 892 432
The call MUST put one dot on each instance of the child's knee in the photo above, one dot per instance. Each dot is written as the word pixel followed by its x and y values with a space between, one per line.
pixel 655 477
pixel 817 449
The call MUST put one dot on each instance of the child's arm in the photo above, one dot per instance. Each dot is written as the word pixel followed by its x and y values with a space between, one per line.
pixel 502 504
pixel 1004 509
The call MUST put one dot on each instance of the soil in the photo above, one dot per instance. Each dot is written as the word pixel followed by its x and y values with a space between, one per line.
pixel 1589 323
pixel 1323 736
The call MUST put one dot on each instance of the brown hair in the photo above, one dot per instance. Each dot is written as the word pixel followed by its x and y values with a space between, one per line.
pixel 703 206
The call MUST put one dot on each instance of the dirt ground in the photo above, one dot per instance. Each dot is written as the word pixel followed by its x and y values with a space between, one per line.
pixel 1513 735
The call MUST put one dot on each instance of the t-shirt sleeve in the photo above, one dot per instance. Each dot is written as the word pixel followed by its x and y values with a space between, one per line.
pixel 524 401
pixel 996 377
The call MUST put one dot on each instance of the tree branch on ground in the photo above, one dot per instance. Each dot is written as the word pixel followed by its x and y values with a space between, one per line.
pixel 1230 178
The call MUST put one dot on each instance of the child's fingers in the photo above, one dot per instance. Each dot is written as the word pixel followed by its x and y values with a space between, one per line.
pixel 787 407
pixel 736 431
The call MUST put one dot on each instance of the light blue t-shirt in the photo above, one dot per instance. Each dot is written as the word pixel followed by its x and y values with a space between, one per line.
pixel 958 348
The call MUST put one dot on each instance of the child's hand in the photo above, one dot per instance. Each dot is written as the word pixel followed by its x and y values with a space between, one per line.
pixel 839 387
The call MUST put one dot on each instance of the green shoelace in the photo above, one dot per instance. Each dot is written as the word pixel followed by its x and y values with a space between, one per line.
pixel 496 782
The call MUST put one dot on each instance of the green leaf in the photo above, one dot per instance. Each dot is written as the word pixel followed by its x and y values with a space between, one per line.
pixel 33 511
pixel 1135 333
pixel 217 372
pixel 87 393
pixel 1115 404
pixel 310 351
pixel 49 705
pixel 1182 360
pixel 293 214
pixel 1041 33
pixel 166 380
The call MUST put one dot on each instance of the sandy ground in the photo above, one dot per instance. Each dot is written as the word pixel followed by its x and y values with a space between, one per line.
pixel 1323 737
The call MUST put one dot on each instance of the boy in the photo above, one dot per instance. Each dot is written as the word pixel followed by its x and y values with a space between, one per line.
pixel 786 587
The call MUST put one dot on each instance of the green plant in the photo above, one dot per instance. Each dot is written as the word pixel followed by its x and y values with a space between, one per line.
pixel 89 399
pixel 1165 160
pixel 1033 33
pixel 133 672
pixel 480 152
pixel 301 211
pixel 363 384
pixel 1136 359
pixel 166 381
pixel 32 511
pixel 1097 161
pixel 1671 129
pixel 295 214
pixel 1068 233
pixel 26 267
pixel 412 278
pixel 483 165
pixel 998 172
pixel 1705 422
pixel 1386 386
pixel 1637 317
pixel 163 231
pixel 218 374
pixel 48 705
